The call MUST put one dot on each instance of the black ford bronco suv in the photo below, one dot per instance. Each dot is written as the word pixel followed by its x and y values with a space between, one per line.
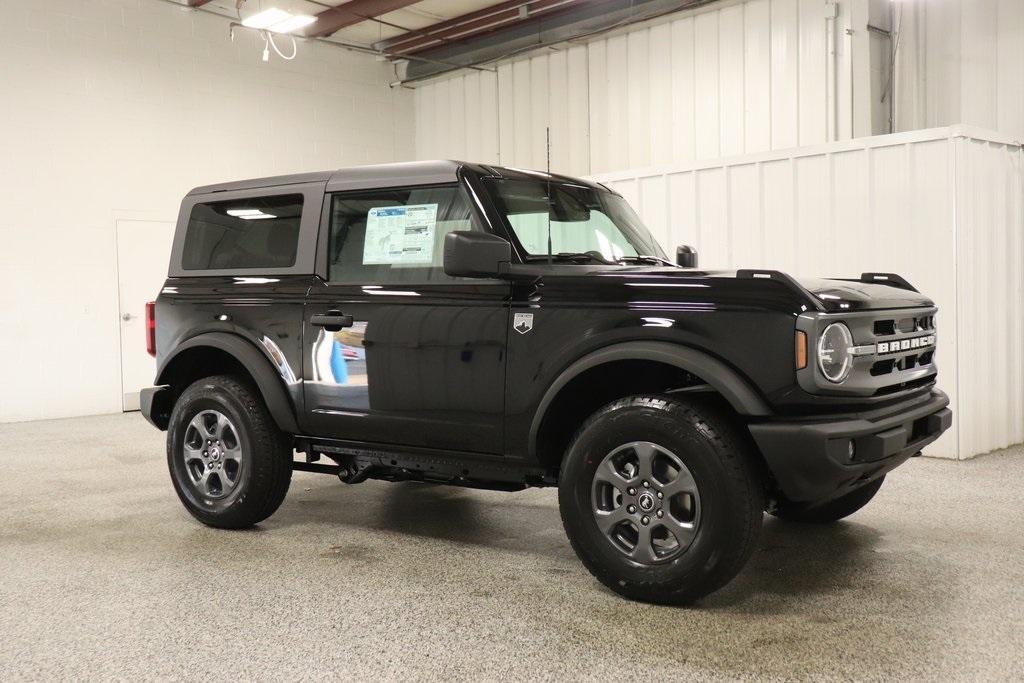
pixel 499 328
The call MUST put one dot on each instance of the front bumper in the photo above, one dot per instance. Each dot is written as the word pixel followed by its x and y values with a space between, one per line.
pixel 156 404
pixel 811 459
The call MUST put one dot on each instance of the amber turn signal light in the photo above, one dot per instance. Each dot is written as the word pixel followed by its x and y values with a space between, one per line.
pixel 801 350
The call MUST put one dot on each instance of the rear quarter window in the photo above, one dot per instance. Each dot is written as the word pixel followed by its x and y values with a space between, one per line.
pixel 254 232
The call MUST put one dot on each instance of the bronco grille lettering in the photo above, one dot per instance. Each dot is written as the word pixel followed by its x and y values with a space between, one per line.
pixel 896 346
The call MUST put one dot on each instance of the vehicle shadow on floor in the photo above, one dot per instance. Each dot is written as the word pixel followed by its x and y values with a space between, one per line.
pixel 792 559
pixel 512 522
pixel 801 560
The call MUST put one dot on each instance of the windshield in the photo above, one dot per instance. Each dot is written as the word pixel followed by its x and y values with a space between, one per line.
pixel 583 220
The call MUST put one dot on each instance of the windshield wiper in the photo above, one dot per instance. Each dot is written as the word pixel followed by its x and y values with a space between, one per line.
pixel 645 258
pixel 575 257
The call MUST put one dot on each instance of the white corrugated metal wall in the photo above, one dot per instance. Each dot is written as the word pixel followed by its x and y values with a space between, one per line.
pixel 990 285
pixel 732 78
pixel 961 61
pixel 943 207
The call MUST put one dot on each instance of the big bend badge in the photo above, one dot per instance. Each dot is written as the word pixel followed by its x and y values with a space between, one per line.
pixel 522 322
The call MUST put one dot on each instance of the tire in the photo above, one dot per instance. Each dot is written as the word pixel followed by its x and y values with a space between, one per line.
pixel 718 522
pixel 218 421
pixel 831 511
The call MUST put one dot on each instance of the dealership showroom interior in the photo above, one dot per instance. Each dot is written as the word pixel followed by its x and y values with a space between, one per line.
pixel 512 340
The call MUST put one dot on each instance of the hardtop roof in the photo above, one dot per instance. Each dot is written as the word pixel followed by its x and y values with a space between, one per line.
pixel 382 175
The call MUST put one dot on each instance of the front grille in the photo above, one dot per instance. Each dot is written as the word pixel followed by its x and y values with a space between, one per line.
pixel 892 326
pixel 905 386
pixel 908 362
pixel 895 330
pixel 893 351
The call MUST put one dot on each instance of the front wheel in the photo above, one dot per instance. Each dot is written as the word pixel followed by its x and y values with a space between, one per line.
pixel 660 498
pixel 230 464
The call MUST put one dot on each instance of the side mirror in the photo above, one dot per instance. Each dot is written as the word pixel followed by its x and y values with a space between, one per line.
pixel 686 256
pixel 475 254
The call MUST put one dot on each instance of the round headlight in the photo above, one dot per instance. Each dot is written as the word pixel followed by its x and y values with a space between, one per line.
pixel 835 352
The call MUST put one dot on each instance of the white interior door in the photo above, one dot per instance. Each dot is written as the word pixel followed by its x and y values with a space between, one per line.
pixel 143 251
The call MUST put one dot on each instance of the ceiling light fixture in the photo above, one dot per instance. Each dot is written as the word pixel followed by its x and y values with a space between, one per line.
pixel 277 20
pixel 293 23
pixel 266 18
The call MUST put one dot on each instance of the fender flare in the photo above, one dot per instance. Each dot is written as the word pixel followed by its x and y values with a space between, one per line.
pixel 737 391
pixel 267 379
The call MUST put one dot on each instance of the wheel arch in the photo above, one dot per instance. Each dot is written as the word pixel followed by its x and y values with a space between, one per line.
pixel 665 362
pixel 218 352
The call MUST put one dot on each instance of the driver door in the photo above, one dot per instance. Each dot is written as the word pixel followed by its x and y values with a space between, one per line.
pixel 397 352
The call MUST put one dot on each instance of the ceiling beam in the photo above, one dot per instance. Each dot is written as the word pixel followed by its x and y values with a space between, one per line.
pixel 559 25
pixel 491 18
pixel 349 13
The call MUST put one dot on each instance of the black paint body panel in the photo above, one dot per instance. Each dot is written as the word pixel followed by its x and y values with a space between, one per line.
pixel 439 368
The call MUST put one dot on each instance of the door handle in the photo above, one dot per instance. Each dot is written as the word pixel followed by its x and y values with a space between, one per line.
pixel 332 321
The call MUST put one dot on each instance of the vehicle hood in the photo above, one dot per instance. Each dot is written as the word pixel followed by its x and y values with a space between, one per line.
pixel 831 295
pixel 843 295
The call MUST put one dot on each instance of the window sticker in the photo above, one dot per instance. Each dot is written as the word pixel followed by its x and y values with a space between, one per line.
pixel 400 234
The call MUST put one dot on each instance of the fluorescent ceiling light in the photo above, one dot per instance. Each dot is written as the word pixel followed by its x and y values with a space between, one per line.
pixel 266 18
pixel 293 23
pixel 277 20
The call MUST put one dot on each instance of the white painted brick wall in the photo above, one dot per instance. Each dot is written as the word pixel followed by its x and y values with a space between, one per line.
pixel 124 105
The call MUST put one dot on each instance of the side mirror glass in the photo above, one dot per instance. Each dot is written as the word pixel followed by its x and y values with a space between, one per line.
pixel 475 254
pixel 686 256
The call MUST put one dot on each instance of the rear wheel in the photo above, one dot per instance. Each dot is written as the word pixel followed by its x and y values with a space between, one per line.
pixel 831 511
pixel 660 499
pixel 230 464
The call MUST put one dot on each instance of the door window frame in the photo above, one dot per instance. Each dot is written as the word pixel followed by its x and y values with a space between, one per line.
pixel 473 198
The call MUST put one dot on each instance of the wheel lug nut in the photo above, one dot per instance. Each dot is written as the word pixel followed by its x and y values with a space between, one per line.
pixel 631 509
pixel 660 494
pixel 647 484
pixel 645 520
pixel 631 491
pixel 661 513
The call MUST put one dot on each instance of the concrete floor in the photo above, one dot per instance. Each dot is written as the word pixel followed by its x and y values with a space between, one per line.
pixel 103 574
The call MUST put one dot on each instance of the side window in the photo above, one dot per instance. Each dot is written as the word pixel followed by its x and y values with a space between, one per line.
pixel 255 232
pixel 395 236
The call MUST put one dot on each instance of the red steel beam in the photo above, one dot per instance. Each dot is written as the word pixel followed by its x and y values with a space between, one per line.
pixel 497 16
pixel 197 3
pixel 349 13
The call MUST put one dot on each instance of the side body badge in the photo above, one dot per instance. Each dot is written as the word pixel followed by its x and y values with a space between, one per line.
pixel 522 322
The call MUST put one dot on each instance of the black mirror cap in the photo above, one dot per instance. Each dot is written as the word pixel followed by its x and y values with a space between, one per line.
pixel 468 253
pixel 686 256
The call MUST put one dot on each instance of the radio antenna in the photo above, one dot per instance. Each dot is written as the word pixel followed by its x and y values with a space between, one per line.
pixel 547 133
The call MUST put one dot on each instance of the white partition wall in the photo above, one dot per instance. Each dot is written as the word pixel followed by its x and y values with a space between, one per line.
pixel 943 207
